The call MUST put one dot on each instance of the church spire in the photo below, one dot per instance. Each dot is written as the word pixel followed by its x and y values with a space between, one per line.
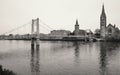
pixel 103 11
pixel 76 22
pixel 103 23
pixel 76 31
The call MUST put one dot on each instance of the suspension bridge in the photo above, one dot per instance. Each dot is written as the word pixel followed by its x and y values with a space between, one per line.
pixel 35 26
pixel 27 31
pixel 27 25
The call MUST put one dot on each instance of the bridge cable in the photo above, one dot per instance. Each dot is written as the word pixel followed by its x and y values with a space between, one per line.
pixel 14 29
pixel 46 24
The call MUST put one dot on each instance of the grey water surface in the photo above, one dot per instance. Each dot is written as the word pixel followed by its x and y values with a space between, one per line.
pixel 60 57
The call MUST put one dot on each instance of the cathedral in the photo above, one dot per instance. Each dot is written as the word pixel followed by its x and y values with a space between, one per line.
pixel 108 31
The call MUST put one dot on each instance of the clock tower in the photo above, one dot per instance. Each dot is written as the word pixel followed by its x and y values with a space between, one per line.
pixel 103 23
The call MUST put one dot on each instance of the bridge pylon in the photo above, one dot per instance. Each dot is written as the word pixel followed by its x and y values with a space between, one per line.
pixel 35 32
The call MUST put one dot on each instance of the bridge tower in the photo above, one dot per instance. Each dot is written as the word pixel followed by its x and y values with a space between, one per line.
pixel 35 32
pixel 35 47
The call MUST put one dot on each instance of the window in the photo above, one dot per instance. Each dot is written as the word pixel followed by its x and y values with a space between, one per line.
pixel 109 30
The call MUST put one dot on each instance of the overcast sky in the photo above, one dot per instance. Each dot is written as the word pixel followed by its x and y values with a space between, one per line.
pixel 58 14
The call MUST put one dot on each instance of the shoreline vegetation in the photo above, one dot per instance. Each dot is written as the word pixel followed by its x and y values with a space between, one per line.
pixel 4 71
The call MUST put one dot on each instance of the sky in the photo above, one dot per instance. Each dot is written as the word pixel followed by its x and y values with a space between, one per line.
pixel 57 14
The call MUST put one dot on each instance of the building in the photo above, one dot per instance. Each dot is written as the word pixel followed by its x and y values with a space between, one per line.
pixel 112 32
pixel 60 32
pixel 107 31
pixel 77 31
pixel 103 23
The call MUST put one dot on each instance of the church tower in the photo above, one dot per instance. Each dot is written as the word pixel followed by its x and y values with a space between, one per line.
pixel 103 23
pixel 76 31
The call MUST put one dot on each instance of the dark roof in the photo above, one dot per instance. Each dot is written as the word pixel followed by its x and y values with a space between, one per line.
pixel 110 25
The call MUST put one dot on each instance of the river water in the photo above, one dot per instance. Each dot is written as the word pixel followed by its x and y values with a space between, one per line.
pixel 61 58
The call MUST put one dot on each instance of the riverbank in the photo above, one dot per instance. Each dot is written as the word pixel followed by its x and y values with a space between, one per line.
pixel 4 71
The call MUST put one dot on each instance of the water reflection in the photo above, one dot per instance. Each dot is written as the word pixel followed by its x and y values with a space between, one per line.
pixel 103 59
pixel 35 66
pixel 61 45
pixel 107 52
pixel 76 53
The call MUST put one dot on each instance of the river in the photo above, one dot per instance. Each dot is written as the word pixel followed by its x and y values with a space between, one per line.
pixel 60 57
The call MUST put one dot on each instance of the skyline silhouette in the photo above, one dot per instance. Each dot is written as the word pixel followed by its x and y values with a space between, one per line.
pixel 58 14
